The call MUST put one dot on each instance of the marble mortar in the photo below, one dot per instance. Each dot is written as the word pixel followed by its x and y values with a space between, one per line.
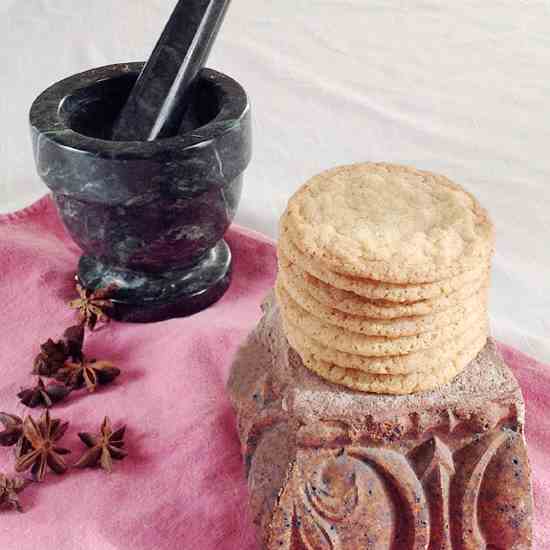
pixel 149 216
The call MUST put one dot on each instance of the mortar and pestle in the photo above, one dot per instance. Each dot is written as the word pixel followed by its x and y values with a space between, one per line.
pixel 145 163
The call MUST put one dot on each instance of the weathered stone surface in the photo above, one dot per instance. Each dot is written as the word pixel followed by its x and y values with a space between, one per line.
pixel 330 468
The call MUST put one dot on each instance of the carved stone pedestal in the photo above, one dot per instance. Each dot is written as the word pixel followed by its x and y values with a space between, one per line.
pixel 330 468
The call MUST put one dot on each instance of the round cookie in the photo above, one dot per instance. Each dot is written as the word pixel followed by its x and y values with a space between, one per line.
pixel 389 223
pixel 361 344
pixel 428 360
pixel 398 384
pixel 376 290
pixel 393 328
pixel 349 302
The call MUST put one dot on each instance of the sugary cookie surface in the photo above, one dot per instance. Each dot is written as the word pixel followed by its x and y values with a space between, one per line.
pixel 390 223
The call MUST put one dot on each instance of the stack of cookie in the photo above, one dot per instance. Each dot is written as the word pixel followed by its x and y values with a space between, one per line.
pixel 383 277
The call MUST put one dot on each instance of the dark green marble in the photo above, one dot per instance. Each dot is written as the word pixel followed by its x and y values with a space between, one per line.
pixel 149 216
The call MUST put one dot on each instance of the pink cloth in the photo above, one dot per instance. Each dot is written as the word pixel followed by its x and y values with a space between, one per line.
pixel 182 485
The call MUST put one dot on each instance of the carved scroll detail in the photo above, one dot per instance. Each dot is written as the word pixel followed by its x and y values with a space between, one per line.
pixel 333 492
pixel 434 462
pixel 329 495
pixel 397 471
pixel 316 533
pixel 473 461
pixel 425 499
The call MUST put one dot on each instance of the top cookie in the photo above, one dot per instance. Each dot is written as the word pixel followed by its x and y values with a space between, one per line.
pixel 389 223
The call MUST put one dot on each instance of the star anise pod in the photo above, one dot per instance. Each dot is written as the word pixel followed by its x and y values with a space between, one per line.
pixel 87 373
pixel 42 450
pixel 13 434
pixel 9 489
pixel 13 429
pixel 54 354
pixel 73 338
pixel 42 395
pixel 91 305
pixel 22 447
pixel 103 447
pixel 51 358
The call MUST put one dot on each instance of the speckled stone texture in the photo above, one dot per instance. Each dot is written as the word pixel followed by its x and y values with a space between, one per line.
pixel 149 216
pixel 330 468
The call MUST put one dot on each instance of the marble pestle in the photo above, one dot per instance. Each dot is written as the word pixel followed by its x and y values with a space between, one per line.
pixel 156 106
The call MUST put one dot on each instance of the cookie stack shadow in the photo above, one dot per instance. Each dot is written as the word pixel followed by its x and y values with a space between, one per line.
pixel 359 322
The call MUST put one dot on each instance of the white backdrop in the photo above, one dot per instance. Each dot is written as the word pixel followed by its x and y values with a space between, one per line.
pixel 457 87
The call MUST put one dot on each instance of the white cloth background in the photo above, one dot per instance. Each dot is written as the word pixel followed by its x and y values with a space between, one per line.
pixel 457 87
